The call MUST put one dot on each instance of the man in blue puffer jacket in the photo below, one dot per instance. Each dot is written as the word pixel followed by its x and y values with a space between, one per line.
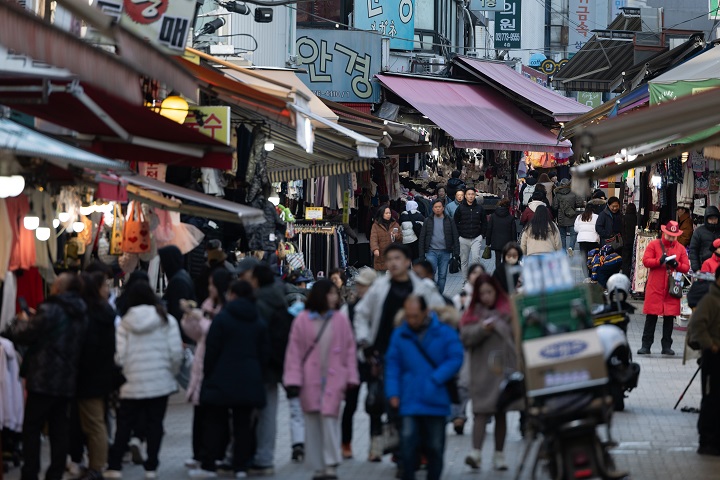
pixel 417 385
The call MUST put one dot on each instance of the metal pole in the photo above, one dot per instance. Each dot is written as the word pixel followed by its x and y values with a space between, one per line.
pixel 688 387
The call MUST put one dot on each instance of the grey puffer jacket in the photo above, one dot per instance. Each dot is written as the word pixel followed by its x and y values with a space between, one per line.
pixel 565 201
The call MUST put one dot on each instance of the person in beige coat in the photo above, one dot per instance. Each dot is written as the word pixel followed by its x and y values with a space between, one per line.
pixel 488 332
pixel 541 235
pixel 384 231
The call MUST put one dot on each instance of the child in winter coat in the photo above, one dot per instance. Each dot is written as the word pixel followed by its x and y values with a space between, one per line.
pixel 320 365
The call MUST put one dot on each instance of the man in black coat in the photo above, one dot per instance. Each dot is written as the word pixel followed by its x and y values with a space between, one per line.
pixel 54 337
pixel 180 285
pixel 471 224
pixel 502 229
pixel 703 238
pixel 438 241
pixel 609 222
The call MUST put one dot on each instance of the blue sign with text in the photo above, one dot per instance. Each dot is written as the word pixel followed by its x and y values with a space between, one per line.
pixel 391 18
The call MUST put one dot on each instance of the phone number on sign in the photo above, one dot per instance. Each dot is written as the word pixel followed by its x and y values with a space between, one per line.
pixel 332 93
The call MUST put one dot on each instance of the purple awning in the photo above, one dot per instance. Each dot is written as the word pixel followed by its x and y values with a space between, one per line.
pixel 475 116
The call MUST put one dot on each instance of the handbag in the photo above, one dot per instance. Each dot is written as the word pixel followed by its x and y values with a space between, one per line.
pixel 674 286
pixel 391 438
pixel 136 232
pixel 451 385
pixel 487 254
pixel 117 231
pixel 454 264
pixel 375 399
pixel 615 242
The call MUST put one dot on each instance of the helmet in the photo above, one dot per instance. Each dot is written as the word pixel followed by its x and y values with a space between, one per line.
pixel 611 338
pixel 618 284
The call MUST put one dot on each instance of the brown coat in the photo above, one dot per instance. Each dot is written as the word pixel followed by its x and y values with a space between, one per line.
pixel 493 355
pixel 380 239
pixel 686 225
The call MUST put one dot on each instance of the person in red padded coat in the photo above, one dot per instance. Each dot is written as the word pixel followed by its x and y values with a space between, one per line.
pixel 657 298
pixel 713 263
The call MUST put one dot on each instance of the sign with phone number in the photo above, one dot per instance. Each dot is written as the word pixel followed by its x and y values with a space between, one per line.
pixel 507 26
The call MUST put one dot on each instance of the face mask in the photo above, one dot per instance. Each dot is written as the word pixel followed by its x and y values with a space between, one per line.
pixel 712 227
pixel 717 254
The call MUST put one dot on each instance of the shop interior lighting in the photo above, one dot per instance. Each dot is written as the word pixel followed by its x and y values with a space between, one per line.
pixel 435 152
pixel 175 108
pixel 275 200
pixel 685 156
pixel 64 216
pixel 86 210
pixel 269 146
pixel 42 233
pixel 11 186
pixel 656 181
pixel 31 220
pixel 56 223
pixel 78 227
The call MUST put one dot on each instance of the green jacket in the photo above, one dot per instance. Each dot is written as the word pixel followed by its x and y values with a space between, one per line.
pixel 704 327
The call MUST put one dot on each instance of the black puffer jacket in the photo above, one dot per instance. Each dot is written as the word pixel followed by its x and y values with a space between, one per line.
pixel 702 239
pixel 452 240
pixel 453 185
pixel 608 224
pixel 502 229
pixel 272 307
pixel 180 285
pixel 237 350
pixel 565 201
pixel 470 219
pixel 54 338
pixel 260 233
pixel 97 361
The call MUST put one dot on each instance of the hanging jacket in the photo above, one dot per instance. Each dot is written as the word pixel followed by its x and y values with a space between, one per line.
pixel 502 229
pixel 702 240
pixel 411 223
pixel 564 202
pixel 450 233
pixel 657 299
pixel 629 223
pixel 149 350
pixel 685 224
pixel 470 219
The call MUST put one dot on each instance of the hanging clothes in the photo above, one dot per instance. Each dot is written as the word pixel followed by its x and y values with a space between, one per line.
pixel 9 299
pixel 12 400
pixel 686 190
pixel 6 239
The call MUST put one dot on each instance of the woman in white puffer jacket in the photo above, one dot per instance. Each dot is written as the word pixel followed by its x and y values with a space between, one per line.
pixel 149 351
pixel 411 222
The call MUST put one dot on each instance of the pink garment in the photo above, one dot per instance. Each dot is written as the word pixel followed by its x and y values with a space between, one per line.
pixel 184 236
pixel 23 247
pixel 341 363
pixel 196 325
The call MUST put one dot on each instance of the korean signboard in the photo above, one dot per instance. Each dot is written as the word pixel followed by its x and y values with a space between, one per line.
pixel 340 64
pixel 11 62
pixel 535 75
pixel 211 121
pixel 487 5
pixel 391 18
pixel 165 23
pixel 591 99
pixel 507 26
pixel 582 20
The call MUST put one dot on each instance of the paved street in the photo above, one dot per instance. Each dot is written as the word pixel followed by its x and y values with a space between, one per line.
pixel 656 442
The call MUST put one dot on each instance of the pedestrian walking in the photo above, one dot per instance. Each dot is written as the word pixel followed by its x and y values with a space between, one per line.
pixel 588 238
pixel 320 366
pixel 439 241
pixel 149 350
pixel 452 206
pixel 238 348
pixel 511 255
pixel 54 336
pixel 455 184
pixel 549 185
pixel 703 237
pixel 489 332
pixel 424 355
pixel 385 231
pixel 658 300
pixel 565 203
pixel 537 200
pixel 471 225
pixel 598 200
pixel 629 225
pixel 704 334
pixel 527 189
pixel 411 222
pixel 363 281
pixel 180 285
pixel 502 229
pixel 540 235
pixel 339 279
pixel 609 222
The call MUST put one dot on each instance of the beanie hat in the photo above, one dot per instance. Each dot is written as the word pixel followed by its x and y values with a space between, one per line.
pixel 411 205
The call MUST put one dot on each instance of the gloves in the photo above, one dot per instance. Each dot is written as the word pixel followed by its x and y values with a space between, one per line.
pixel 663 259
pixel 672 263
pixel 292 391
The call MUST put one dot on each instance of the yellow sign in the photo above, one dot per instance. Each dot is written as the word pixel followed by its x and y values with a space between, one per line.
pixel 346 207
pixel 313 213
pixel 211 121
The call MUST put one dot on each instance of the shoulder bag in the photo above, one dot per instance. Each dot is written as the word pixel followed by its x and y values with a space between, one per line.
pixel 674 287
pixel 451 385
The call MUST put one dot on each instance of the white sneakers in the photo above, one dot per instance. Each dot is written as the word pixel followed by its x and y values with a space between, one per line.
pixel 570 252
pixel 112 474
pixel 150 474
pixel 474 459
pixel 191 464
pixel 499 461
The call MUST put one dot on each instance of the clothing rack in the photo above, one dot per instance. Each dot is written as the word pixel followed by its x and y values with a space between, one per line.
pixel 324 247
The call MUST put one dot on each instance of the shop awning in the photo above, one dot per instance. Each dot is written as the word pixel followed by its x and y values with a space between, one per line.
pixel 697 74
pixel 340 168
pixel 521 89
pixel 24 141
pixel 475 116
pixel 596 65
pixel 112 127
pixel 28 34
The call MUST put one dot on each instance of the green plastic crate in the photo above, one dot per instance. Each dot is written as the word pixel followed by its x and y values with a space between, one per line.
pixel 564 311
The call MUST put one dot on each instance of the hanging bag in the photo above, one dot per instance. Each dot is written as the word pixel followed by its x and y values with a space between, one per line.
pixel 136 233
pixel 117 231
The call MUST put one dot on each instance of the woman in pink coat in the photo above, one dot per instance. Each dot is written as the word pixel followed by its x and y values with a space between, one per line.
pixel 320 365
pixel 658 300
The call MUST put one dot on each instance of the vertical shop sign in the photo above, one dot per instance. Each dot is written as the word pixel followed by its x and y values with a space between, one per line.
pixel 582 19
pixel 487 5
pixel 346 207
pixel 211 121
pixel 391 18
pixel 341 64
pixel 507 26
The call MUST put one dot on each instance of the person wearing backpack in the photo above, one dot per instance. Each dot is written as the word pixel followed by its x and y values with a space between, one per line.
pixel 527 189
pixel 565 203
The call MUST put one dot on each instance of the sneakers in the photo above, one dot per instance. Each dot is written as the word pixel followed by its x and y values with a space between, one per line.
pixel 135 446
pixel 200 473
pixel 241 474
pixel 644 351
pixel 570 252
pixel 376 449
pixel 112 474
pixel 149 474
pixel 499 461
pixel 259 471
pixel 668 351
pixel 91 475
pixel 346 451
pixel 298 452
pixel 191 464
pixel 474 459
pixel 459 426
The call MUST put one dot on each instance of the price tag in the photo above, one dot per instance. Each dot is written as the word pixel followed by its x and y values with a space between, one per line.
pixel 313 213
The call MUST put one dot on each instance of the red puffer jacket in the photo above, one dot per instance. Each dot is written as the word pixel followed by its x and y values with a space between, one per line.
pixel 657 299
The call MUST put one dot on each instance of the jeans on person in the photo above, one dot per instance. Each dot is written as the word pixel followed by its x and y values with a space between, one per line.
pixel 568 237
pixel 648 335
pixel 153 411
pixel 440 260
pixel 426 433
pixel 470 252
pixel 55 412
pixel 267 428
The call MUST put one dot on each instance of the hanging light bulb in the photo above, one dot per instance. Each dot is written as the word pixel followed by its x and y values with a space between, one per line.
pixel 63 217
pixel 56 223
pixel 86 210
pixel 269 146
pixel 175 108
pixel 42 233
pixel 78 227
pixel 104 208
pixel 31 221
pixel 16 185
